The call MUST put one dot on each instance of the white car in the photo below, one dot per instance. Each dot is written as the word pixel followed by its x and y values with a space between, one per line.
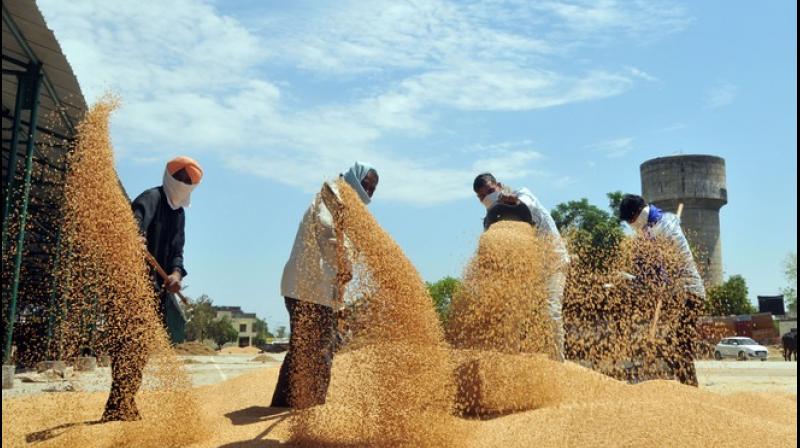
pixel 741 348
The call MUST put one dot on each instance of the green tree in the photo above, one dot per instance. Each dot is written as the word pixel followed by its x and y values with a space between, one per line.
pixel 614 201
pixel 280 332
pixel 442 293
pixel 790 292
pixel 594 234
pixel 221 331
pixel 262 332
pixel 200 314
pixel 729 298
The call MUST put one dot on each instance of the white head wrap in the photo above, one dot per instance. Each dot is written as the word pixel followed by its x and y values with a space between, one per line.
pixel 178 193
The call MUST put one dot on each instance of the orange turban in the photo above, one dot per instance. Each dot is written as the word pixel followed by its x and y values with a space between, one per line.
pixel 190 165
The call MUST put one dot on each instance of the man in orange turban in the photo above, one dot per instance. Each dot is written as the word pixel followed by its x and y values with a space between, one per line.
pixel 160 214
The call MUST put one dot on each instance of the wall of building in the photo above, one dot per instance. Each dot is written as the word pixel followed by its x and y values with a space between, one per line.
pixel 237 319
pixel 248 333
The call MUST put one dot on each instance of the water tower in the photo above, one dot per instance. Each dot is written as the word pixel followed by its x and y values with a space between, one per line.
pixel 697 181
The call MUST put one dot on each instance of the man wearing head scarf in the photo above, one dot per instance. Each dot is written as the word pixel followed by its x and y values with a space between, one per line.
pixel 311 295
pixel 502 203
pixel 160 214
pixel 648 221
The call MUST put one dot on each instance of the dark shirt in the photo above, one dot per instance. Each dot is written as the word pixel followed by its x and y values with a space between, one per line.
pixel 163 227
pixel 507 212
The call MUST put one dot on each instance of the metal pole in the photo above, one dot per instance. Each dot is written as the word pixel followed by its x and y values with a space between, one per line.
pixel 12 161
pixel 53 294
pixel 36 75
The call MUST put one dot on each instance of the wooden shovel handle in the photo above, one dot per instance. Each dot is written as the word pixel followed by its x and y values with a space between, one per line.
pixel 162 273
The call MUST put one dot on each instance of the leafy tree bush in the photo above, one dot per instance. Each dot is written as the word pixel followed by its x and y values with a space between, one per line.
pixel 442 293
pixel 729 298
pixel 221 331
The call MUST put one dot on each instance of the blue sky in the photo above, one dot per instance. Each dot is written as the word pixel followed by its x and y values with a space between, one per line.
pixel 564 97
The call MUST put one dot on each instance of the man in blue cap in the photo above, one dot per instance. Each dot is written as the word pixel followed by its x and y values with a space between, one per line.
pixel 648 221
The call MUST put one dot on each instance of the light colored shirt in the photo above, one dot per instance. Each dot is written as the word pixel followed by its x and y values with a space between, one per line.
pixel 310 273
pixel 545 225
pixel 669 226
pixel 546 228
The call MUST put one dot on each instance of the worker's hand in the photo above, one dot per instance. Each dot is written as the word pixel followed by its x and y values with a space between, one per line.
pixel 508 199
pixel 173 282
pixel 344 277
pixel 331 199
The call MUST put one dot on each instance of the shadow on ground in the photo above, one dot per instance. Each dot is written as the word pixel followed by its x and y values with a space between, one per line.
pixel 50 433
pixel 258 414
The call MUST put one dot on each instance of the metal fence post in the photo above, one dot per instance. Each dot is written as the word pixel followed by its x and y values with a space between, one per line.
pixel 35 71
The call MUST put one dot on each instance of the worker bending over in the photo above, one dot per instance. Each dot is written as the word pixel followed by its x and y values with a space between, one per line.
pixel 650 222
pixel 502 203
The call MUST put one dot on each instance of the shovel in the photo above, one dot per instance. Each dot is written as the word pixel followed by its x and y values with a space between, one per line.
pixel 150 259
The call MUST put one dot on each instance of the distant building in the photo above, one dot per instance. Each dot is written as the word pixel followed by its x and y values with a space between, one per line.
pixel 242 322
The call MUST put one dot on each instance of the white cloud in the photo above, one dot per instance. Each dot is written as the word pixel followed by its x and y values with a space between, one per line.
pixel 193 79
pixel 642 74
pixel 720 95
pixel 508 164
pixel 354 37
pixel 497 87
pixel 614 148
pixel 638 19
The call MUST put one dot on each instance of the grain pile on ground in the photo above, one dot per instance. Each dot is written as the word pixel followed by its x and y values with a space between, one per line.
pixel 502 307
pixel 264 358
pixel 193 348
pixel 234 416
pixel 595 411
pixel 657 413
pixel 491 383
pixel 108 303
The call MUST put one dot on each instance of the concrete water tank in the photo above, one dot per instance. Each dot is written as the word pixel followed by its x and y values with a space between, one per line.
pixel 697 181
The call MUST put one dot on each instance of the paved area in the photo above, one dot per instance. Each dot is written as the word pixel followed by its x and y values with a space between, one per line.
pixel 206 370
pixel 748 376
pixel 203 370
